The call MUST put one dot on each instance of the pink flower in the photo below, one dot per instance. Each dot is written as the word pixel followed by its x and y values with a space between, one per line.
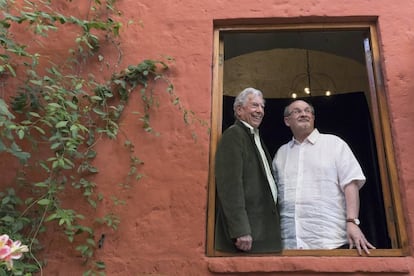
pixel 5 249
pixel 11 250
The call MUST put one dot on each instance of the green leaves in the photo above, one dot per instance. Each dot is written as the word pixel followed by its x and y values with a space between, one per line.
pixel 10 132
pixel 44 202
pixel 14 223
pixel 4 112
pixel 58 115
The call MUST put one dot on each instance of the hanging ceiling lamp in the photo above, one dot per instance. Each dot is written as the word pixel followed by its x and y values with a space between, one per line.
pixel 311 83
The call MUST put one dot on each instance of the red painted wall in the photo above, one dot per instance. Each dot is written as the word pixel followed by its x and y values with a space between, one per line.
pixel 163 225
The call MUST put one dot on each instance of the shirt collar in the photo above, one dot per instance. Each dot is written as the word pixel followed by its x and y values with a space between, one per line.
pixel 252 129
pixel 312 138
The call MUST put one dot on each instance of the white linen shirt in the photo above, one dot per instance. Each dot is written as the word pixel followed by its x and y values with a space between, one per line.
pixel 311 177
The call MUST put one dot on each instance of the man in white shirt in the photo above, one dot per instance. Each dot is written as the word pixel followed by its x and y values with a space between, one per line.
pixel 318 180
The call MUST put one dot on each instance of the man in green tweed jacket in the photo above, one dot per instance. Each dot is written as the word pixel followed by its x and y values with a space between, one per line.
pixel 247 215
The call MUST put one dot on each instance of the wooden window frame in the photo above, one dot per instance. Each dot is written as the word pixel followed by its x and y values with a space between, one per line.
pixel 381 126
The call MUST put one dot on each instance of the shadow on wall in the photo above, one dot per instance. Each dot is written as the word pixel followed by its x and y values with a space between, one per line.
pixel 345 115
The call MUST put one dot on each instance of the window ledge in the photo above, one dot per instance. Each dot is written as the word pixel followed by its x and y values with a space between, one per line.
pixel 397 265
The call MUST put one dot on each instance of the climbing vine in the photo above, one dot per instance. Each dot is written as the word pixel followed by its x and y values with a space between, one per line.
pixel 54 120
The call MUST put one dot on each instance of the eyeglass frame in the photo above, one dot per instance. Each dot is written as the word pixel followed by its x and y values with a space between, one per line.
pixel 297 111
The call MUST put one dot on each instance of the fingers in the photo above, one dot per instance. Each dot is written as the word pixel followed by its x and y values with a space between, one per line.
pixel 361 245
pixel 358 247
pixel 366 245
pixel 244 243
pixel 355 243
pixel 357 239
pixel 371 246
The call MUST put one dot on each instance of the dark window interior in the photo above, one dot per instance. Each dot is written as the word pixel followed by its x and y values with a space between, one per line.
pixel 346 115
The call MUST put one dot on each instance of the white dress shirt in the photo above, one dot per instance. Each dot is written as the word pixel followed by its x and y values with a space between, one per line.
pixel 311 177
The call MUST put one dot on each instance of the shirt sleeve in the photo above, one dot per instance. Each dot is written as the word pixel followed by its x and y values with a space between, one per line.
pixel 348 166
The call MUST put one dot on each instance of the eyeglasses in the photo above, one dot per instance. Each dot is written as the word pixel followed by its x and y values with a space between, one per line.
pixel 298 111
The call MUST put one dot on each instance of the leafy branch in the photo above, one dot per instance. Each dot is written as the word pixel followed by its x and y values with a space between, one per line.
pixel 62 115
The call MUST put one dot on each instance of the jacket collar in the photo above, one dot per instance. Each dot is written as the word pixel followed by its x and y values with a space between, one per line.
pixel 251 129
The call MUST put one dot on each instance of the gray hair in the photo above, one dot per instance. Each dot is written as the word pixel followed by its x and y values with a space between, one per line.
pixel 241 99
pixel 286 112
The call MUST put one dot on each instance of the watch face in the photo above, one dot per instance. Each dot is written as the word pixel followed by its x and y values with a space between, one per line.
pixel 356 221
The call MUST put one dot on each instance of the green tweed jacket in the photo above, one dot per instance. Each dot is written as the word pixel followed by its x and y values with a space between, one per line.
pixel 244 202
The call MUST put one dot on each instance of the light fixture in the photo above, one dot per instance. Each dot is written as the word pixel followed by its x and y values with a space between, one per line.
pixel 311 83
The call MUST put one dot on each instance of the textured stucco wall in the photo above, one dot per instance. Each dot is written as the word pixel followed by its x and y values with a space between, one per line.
pixel 163 225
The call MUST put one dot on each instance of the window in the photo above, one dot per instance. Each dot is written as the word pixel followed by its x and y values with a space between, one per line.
pixel 272 58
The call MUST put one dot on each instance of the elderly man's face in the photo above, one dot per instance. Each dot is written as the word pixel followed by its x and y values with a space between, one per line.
pixel 301 117
pixel 253 111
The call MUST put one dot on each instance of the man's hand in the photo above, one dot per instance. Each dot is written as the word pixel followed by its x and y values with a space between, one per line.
pixel 356 238
pixel 244 243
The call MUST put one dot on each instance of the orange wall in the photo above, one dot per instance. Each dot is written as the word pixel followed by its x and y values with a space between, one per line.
pixel 163 225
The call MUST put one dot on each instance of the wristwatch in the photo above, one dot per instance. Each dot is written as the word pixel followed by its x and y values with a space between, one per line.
pixel 353 220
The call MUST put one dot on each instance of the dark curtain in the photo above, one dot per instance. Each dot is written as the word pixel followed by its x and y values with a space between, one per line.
pixel 346 115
